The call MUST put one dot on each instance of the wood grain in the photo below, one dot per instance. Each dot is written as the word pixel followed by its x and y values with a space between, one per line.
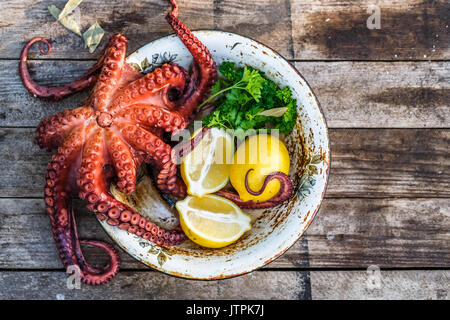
pixel 409 30
pixel 267 21
pixel 365 163
pixel 298 29
pixel 394 285
pixel 140 20
pixel 143 21
pixel 387 202
pixel 389 163
pixel 347 233
pixel 155 285
pixel 389 233
pixel 380 94
pixel 262 285
pixel 352 94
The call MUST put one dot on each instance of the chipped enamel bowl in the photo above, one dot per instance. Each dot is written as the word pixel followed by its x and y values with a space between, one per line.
pixel 273 230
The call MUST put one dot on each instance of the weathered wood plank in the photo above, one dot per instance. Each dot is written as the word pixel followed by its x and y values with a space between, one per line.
pixel 389 163
pixel 286 285
pixel 156 285
pixel 23 164
pixel 298 29
pixel 413 29
pixel 352 94
pixel 140 20
pixel 20 108
pixel 143 21
pixel 389 233
pixel 393 285
pixel 378 94
pixel 365 163
pixel 347 233
pixel 267 21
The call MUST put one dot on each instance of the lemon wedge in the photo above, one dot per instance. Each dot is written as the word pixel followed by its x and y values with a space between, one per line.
pixel 212 221
pixel 206 169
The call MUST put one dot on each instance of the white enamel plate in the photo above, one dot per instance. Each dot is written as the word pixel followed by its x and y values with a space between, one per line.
pixel 273 230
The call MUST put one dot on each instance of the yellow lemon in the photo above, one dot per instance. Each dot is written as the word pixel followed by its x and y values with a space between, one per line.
pixel 212 221
pixel 206 169
pixel 259 156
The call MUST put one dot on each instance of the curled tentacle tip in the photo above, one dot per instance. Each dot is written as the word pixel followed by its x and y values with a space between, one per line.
pixel 39 41
pixel 174 9
pixel 278 175
pixel 283 194
pixel 48 43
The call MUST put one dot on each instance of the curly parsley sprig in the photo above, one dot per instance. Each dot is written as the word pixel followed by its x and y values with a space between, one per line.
pixel 245 99
pixel 251 81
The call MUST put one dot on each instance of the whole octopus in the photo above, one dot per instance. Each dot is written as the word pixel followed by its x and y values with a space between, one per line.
pixel 120 126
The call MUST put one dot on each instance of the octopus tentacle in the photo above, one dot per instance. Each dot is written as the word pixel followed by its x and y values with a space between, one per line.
pixel 184 148
pixel 91 180
pixel 204 67
pixel 126 218
pixel 110 74
pixel 59 92
pixel 174 9
pixel 152 116
pixel 283 194
pixel 154 88
pixel 160 154
pixel 84 265
pixel 52 131
pixel 121 124
pixel 94 188
pixel 59 208
pixel 122 158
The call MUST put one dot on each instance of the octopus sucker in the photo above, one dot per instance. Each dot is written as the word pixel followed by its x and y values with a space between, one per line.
pixel 117 128
pixel 122 158
pixel 59 208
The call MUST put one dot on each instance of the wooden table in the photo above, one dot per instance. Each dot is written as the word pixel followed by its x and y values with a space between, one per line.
pixel 385 94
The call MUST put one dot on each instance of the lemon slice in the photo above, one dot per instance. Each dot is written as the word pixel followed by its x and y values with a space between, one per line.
pixel 206 169
pixel 212 221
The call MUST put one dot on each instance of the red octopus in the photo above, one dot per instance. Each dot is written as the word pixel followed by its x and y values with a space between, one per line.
pixel 117 128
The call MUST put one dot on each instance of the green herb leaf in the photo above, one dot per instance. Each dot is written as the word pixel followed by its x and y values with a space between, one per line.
pixel 135 66
pixel 66 21
pixel 93 36
pixel 254 82
pixel 227 70
pixel 275 112
pixel 68 8
pixel 216 87
pixel 245 99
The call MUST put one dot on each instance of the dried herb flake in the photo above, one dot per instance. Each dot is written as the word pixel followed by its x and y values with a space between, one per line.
pixel 275 112
pixel 66 21
pixel 68 8
pixel 93 36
